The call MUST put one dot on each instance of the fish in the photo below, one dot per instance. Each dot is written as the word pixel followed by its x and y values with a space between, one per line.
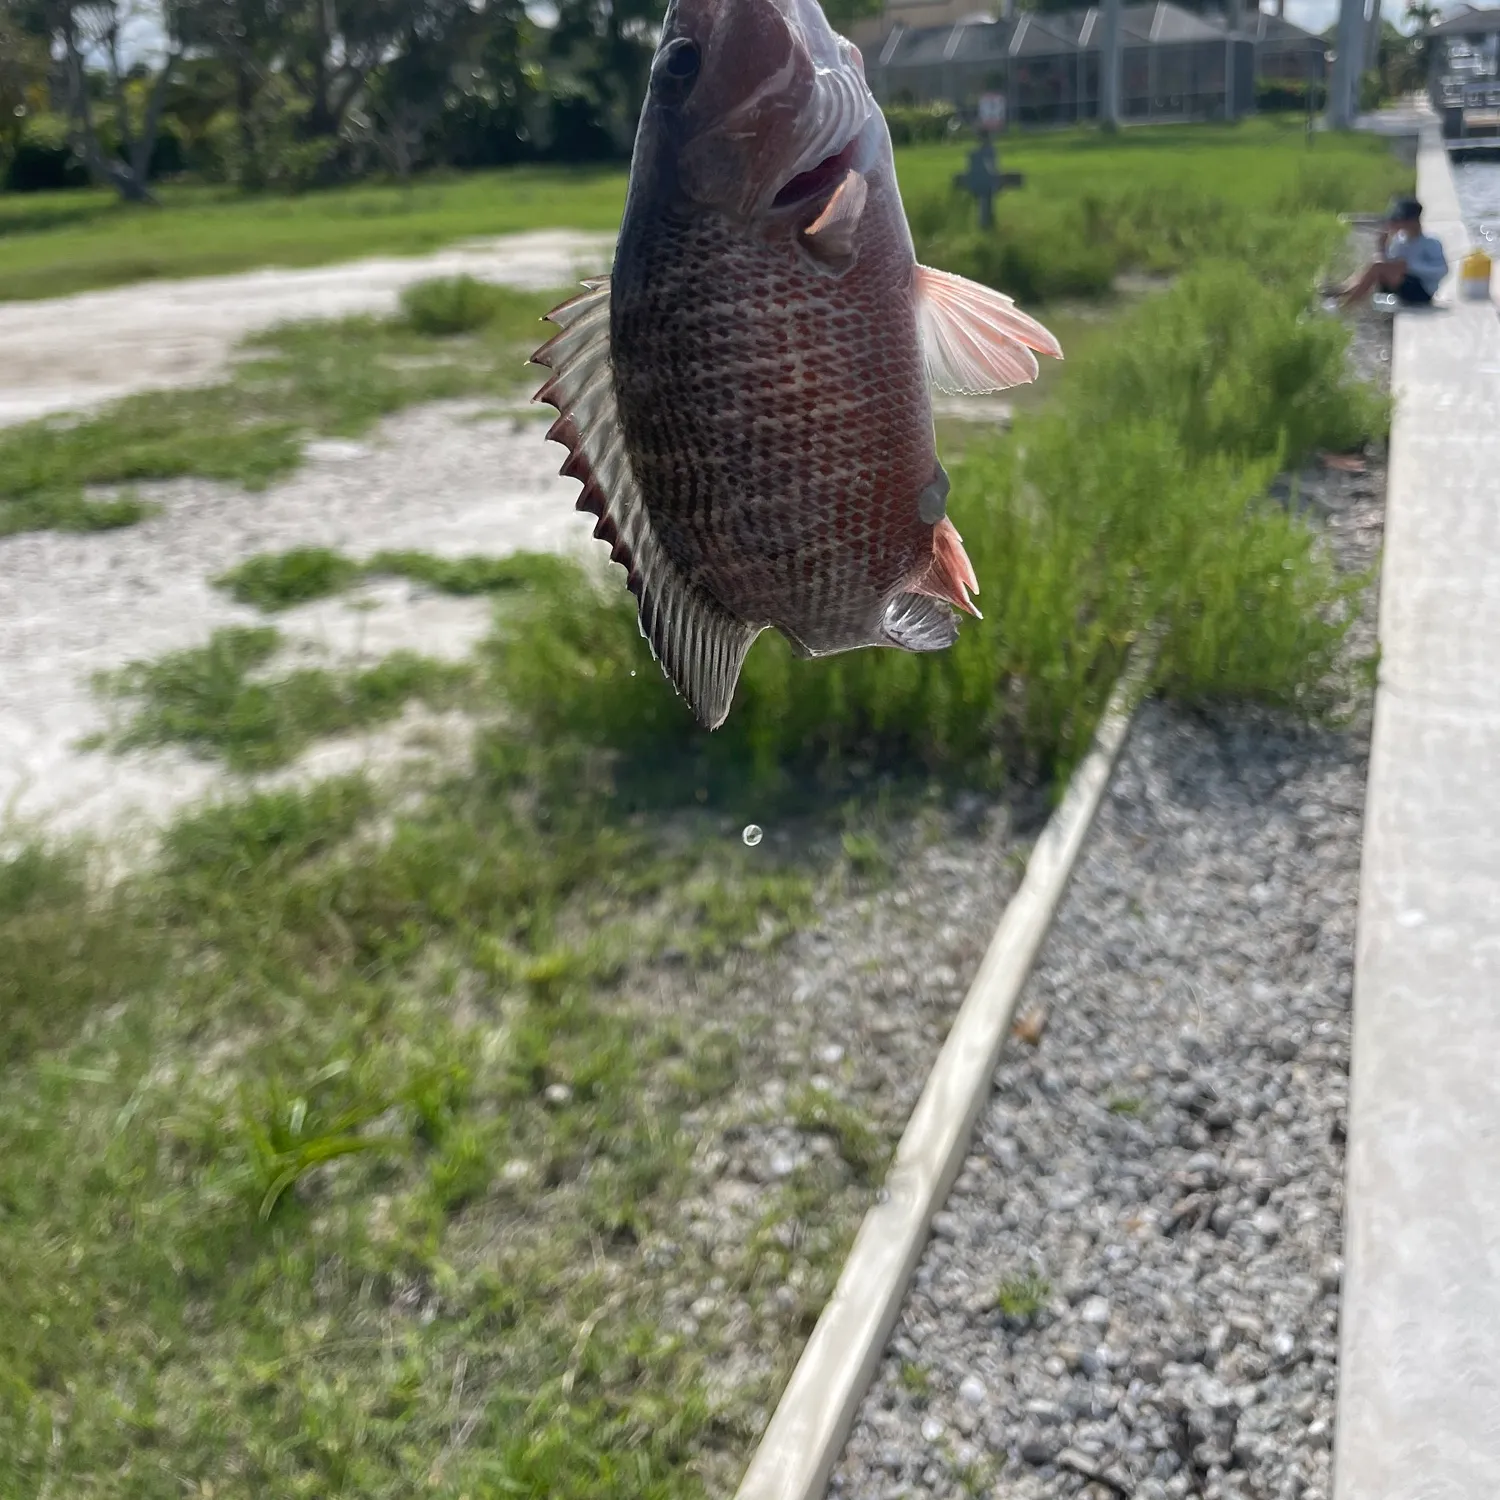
pixel 746 398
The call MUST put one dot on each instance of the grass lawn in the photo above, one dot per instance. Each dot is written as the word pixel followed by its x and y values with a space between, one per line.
pixel 360 1142
pixel 55 243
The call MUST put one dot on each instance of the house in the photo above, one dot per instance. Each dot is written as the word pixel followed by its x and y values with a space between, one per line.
pixel 1175 65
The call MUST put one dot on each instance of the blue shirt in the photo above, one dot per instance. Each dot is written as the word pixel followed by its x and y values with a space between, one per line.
pixel 1424 257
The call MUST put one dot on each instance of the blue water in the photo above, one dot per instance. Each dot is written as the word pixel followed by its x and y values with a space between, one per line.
pixel 1478 185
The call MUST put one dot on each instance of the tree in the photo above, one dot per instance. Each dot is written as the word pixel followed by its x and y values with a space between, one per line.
pixel 243 38
pixel 24 65
pixel 601 52
pixel 330 47
pixel 90 39
pixel 405 95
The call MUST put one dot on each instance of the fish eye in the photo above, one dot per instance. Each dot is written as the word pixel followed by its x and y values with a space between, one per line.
pixel 682 60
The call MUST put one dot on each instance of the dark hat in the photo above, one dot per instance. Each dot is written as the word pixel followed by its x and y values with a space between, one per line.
pixel 1403 209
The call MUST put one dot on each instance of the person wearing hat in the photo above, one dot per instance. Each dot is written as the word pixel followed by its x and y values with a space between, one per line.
pixel 1410 265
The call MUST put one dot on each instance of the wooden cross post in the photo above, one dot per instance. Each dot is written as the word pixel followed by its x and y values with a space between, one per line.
pixel 982 179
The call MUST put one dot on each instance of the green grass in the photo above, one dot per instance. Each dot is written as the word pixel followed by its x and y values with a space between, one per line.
pixel 1022 1296
pixel 279 580
pixel 1155 199
pixel 335 1144
pixel 207 698
pixel 295 382
pixel 342 1144
pixel 1135 502
pixel 46 509
pixel 1091 205
pixel 52 244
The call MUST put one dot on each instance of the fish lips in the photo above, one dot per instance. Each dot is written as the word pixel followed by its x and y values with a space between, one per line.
pixel 777 103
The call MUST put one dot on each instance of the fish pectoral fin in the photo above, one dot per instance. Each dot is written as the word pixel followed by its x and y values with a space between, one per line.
pixel 975 338
pixel 918 622
pixel 700 645
pixel 830 237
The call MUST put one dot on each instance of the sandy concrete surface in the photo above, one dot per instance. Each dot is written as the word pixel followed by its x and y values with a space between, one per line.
pixel 452 479
pixel 68 353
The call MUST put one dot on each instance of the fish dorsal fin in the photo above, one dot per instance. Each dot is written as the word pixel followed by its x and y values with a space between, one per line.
pixel 830 237
pixel 700 645
pixel 976 339
pixel 918 622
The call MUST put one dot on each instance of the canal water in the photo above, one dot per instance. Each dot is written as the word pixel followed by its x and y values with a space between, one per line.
pixel 1478 184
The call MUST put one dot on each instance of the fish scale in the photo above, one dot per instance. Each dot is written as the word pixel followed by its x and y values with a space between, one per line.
pixel 746 399
pixel 782 453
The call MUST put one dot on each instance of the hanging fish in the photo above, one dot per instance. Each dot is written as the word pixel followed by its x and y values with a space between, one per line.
pixel 746 399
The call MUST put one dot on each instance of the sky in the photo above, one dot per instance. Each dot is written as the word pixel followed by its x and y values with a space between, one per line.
pixel 144 35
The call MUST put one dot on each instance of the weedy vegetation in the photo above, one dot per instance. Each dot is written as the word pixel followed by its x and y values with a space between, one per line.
pixel 299 381
pixel 279 580
pixel 345 1147
pixel 207 698
pixel 1023 1296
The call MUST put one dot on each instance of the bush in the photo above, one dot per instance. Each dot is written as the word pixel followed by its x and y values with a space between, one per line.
pixel 1137 502
pixel 44 159
pixel 1235 367
pixel 1283 95
pixel 448 305
pixel 913 124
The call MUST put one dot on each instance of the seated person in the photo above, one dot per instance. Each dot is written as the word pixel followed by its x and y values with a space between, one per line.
pixel 1410 265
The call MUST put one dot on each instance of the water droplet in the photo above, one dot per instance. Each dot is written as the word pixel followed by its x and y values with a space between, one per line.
pixel 752 835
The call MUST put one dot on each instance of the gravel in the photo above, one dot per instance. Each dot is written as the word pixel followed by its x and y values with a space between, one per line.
pixel 1161 1162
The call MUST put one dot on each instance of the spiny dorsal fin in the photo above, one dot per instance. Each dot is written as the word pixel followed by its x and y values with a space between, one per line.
pixel 699 644
pixel 917 622
pixel 976 339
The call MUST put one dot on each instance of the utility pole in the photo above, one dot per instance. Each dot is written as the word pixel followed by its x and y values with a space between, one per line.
pixel 1343 93
pixel 1234 106
pixel 1109 66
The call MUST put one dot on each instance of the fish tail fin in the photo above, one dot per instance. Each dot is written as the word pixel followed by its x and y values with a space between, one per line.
pixel 701 647
pixel 950 576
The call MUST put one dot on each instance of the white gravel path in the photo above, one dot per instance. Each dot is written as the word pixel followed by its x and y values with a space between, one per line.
pixel 68 353
pixel 450 479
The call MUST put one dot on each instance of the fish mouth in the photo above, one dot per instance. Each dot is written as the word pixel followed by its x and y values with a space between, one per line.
pixel 819 181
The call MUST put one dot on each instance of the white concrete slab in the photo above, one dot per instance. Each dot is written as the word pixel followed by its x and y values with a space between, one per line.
pixel 1419 1398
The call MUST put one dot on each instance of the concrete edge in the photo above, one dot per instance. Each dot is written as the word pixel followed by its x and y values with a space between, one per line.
pixel 811 1422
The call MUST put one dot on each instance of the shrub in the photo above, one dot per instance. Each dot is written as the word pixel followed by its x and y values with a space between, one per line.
pixel 278 580
pixel 448 305
pixel 1138 502
pixel 914 124
pixel 1233 366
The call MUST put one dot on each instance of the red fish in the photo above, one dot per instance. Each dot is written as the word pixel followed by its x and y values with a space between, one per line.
pixel 747 398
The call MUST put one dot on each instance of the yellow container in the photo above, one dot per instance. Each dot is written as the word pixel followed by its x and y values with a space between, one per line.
pixel 1474 277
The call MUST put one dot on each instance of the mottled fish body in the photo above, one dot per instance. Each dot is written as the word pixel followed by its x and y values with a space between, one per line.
pixel 747 398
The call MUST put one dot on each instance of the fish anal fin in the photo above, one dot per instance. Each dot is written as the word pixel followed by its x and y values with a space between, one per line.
pixel 700 645
pixel 918 622
pixel 975 339
pixel 830 237
pixel 950 576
